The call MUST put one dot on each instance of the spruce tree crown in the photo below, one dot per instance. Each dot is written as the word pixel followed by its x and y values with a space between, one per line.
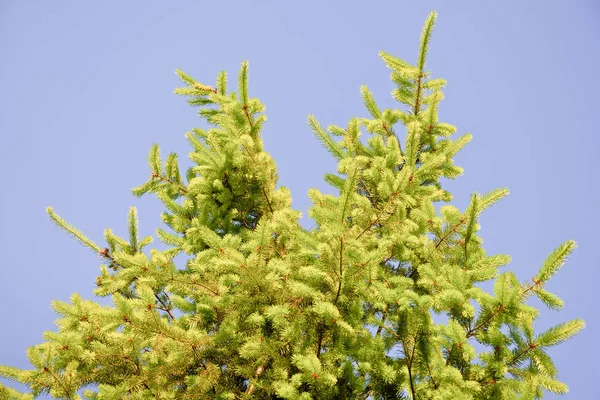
pixel 382 299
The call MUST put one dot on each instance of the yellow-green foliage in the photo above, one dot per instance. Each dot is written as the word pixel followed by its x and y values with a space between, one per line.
pixel 264 309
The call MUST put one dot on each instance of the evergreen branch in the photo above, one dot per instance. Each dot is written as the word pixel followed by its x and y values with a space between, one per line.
pixel 248 117
pixel 391 255
pixel 413 144
pixel 222 83
pixel 243 83
pixel 264 192
pixel 320 340
pixel 106 254
pixel 559 333
pixel 453 230
pixel 48 370
pixel 383 211
pixel 470 225
pixel 417 103
pixel 337 295
pixel 435 384
pixel 483 323
pixel 154 159
pixel 530 288
pixel 491 197
pixel 341 268
pixel 193 283
pixel 500 308
pixel 473 212
pixel 409 367
pixel 165 308
pixel 185 78
pixel 349 190
pixel 392 62
pixel 325 138
pixel 199 146
pixel 382 323
pixel 133 229
pixel 390 133
pixel 364 187
pixel 555 261
pixel 158 331
pixel 76 233
pixel 551 300
pixel 162 178
pixel 369 101
pixel 9 393
pixel 425 38
pixel 520 354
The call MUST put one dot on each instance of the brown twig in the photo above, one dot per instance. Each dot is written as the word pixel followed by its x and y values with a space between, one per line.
pixel 167 309
pixel 417 106
pixel 182 188
pixel 451 231
pixel 46 369
pixel 409 360
pixel 474 330
pixel 378 216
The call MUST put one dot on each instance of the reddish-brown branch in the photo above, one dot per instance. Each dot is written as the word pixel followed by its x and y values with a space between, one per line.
pixel 165 308
pixel 474 330
pixel 417 106
pixel 451 231
pixel 182 188
pixel 383 210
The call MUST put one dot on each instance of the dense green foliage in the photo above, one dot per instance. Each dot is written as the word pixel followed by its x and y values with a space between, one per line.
pixel 381 300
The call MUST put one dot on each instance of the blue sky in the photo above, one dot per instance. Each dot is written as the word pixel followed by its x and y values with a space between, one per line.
pixel 86 88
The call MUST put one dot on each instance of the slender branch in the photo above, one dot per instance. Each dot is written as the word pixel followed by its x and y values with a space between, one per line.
pixel 391 132
pixel 520 354
pixel 341 267
pixel 267 199
pixel 451 231
pixel 378 216
pixel 483 323
pixel 337 296
pixel 158 332
pixel 59 381
pixel 366 189
pixel 500 308
pixel 167 309
pixel 181 187
pixel 435 385
pixel 245 107
pixel 320 341
pixel 380 328
pixel 417 106
pixel 409 365
pixel 216 293
pixel 262 187
pixel 536 283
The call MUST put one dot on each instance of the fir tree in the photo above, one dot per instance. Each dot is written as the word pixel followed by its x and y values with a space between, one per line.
pixel 265 309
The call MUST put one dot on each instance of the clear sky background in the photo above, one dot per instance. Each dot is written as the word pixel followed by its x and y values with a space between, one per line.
pixel 86 88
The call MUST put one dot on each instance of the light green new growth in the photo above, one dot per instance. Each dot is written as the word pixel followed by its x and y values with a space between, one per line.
pixel 265 309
